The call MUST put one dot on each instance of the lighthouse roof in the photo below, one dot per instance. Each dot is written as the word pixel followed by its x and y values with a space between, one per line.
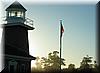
pixel 10 50
pixel 16 5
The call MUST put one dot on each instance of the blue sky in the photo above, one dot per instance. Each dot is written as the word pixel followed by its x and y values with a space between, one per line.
pixel 79 22
pixel 79 37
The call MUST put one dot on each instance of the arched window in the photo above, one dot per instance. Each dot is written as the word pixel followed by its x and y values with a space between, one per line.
pixel 22 69
pixel 12 66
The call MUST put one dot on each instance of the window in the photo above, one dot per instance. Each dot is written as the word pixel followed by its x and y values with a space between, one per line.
pixel 20 14
pixel 16 13
pixel 12 66
pixel 12 13
pixel 23 68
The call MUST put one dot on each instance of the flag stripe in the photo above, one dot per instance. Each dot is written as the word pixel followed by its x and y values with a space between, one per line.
pixel 61 29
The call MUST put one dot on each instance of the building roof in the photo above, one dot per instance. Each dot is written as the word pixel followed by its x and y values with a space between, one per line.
pixel 16 5
pixel 10 50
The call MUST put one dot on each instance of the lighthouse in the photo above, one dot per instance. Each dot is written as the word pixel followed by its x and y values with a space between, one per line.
pixel 16 45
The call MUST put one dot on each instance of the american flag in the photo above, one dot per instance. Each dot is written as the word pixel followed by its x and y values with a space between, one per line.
pixel 61 28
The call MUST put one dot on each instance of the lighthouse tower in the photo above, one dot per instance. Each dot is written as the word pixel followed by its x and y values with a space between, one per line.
pixel 16 45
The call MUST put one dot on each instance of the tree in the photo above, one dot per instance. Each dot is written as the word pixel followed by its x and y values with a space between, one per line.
pixel 71 66
pixel 38 64
pixel 86 62
pixel 53 61
pixel 95 64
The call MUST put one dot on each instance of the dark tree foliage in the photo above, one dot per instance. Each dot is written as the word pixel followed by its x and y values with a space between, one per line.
pixel 53 61
pixel 86 62
pixel 51 64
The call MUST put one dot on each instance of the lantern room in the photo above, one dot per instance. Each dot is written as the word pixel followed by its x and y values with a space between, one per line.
pixel 15 12
pixel 15 15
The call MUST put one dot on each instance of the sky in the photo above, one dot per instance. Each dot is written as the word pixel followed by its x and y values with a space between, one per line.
pixel 79 38
pixel 79 22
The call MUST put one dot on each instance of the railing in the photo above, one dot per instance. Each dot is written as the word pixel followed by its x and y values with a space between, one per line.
pixel 27 21
pixel 4 20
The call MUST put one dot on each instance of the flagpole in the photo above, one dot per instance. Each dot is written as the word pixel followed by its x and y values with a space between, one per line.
pixel 60 42
pixel 60 51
